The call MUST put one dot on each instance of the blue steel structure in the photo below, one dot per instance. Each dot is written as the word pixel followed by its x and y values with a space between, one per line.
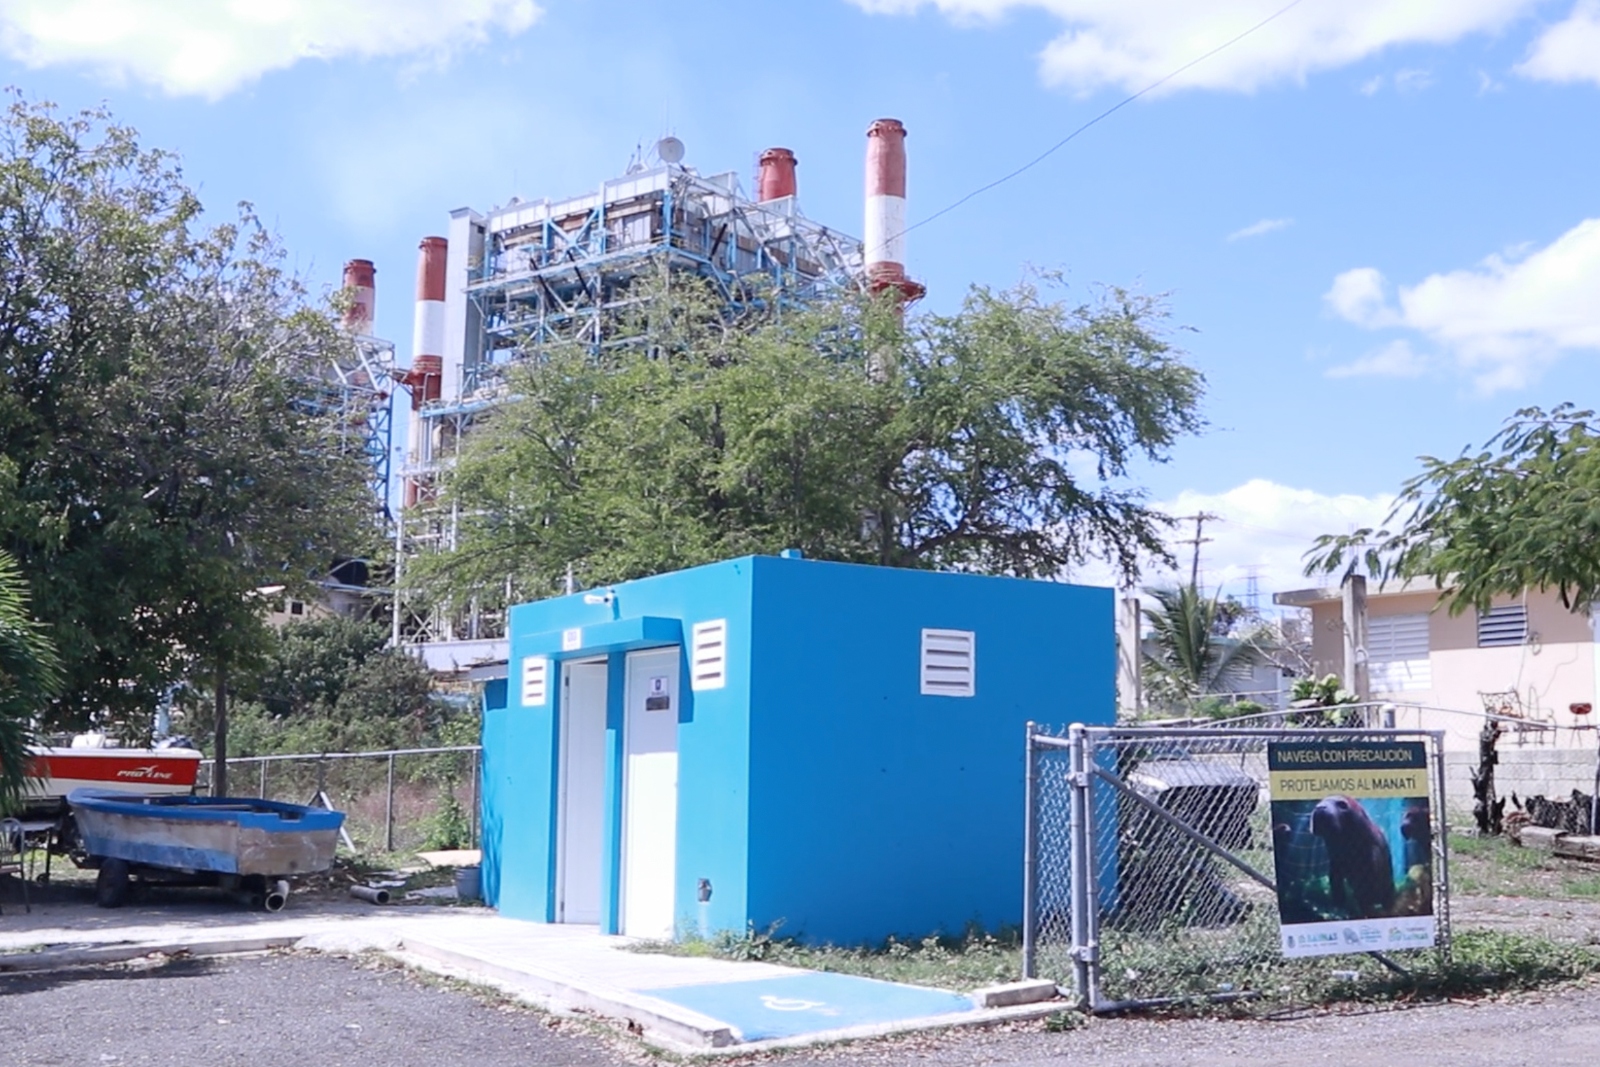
pixel 534 273
pixel 820 783
pixel 563 271
pixel 356 389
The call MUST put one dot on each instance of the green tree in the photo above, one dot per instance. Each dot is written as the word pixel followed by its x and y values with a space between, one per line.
pixel 1189 652
pixel 330 685
pixel 29 676
pixel 1523 512
pixel 162 449
pixel 999 439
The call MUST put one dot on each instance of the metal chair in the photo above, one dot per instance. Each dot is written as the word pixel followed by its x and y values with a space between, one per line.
pixel 13 856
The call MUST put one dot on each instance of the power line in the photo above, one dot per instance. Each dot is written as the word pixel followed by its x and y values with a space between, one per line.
pixel 1107 113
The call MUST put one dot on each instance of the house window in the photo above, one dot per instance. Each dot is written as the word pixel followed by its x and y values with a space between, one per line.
pixel 1502 626
pixel 1397 653
pixel 708 655
pixel 297 607
pixel 949 663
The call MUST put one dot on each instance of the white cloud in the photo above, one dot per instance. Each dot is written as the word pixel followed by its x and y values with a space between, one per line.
pixel 211 47
pixel 1258 229
pixel 1504 320
pixel 1371 86
pixel 1569 51
pixel 1361 297
pixel 1397 359
pixel 1412 81
pixel 1261 527
pixel 1129 44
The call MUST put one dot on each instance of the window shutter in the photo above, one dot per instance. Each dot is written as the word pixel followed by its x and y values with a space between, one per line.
pixel 708 655
pixel 1502 626
pixel 1397 653
pixel 949 663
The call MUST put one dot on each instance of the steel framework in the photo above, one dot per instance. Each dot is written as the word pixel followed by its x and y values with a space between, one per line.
pixel 553 272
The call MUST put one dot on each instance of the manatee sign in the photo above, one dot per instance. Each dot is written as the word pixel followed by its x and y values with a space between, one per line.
pixel 1352 839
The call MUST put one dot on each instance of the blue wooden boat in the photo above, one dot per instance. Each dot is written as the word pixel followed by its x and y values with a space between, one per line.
pixel 235 842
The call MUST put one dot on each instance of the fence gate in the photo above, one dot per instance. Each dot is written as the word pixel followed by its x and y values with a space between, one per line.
pixel 1154 858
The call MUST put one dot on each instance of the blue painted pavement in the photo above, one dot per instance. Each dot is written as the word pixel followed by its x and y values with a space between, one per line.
pixel 810 1003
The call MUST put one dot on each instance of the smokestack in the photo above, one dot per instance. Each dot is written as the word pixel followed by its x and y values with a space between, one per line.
pixel 425 377
pixel 359 275
pixel 777 174
pixel 885 236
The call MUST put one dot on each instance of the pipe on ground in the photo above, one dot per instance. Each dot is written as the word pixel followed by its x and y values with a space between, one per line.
pixel 370 894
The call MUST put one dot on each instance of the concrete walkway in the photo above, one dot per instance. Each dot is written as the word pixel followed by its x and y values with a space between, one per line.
pixel 676 1002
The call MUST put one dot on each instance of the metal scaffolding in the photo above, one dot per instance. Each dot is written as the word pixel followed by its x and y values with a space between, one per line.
pixel 539 273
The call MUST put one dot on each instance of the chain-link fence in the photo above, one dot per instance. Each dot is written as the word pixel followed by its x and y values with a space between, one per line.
pixel 405 800
pixel 1171 865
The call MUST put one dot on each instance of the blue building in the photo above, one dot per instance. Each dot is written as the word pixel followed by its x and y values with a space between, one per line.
pixel 833 746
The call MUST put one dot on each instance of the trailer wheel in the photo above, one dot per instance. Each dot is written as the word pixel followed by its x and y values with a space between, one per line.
pixel 111 884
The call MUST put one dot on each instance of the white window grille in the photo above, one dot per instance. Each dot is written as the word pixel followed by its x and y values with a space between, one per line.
pixel 708 655
pixel 535 681
pixel 1502 626
pixel 1397 653
pixel 949 663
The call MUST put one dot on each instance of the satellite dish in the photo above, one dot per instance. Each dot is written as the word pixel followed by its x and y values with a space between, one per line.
pixel 670 149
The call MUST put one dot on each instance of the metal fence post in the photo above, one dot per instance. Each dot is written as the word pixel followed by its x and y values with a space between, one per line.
pixel 1441 852
pixel 472 799
pixel 1078 867
pixel 1030 858
pixel 262 793
pixel 388 810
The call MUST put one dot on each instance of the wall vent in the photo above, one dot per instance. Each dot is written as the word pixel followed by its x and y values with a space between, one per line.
pixel 1502 626
pixel 708 655
pixel 949 663
pixel 535 681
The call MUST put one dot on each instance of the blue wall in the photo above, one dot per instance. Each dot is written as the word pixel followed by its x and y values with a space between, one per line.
pixel 875 809
pixel 818 787
pixel 713 749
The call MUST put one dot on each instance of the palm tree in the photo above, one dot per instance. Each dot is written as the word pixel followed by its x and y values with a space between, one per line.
pixel 29 675
pixel 1185 656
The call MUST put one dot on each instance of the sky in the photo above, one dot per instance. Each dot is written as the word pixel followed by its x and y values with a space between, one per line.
pixel 1374 224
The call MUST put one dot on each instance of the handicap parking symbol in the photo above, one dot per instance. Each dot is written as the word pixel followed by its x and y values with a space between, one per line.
pixel 775 1003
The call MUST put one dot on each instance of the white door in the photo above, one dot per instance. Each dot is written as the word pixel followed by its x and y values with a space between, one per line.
pixel 650 794
pixel 583 780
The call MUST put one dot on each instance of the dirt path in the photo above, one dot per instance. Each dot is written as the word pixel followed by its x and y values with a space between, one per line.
pixel 1568 920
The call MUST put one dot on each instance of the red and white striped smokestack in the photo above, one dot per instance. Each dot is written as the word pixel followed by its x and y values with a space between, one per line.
pixel 425 378
pixel 359 275
pixel 885 236
pixel 777 174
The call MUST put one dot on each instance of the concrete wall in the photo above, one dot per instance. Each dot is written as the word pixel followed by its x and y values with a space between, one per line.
pixel 1526 771
pixel 874 809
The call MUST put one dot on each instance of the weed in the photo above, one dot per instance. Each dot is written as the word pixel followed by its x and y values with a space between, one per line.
pixel 976 958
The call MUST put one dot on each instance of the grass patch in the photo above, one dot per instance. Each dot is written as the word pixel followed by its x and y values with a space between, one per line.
pixel 956 963
pixel 1494 866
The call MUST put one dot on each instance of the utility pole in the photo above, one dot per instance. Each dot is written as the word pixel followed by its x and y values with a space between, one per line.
pixel 1197 540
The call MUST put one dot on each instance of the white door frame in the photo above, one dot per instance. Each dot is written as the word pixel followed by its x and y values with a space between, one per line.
pixel 575 715
pixel 652 691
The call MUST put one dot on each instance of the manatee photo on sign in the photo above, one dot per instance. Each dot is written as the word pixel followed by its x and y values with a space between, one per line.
pixel 1352 836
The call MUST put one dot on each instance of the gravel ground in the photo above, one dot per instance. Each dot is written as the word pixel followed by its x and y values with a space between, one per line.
pixel 273 1011
pixel 307 1009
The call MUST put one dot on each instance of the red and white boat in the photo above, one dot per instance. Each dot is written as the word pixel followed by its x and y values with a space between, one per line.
pixel 55 772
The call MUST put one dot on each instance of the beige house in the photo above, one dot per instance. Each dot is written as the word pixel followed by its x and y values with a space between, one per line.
pixel 1529 657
